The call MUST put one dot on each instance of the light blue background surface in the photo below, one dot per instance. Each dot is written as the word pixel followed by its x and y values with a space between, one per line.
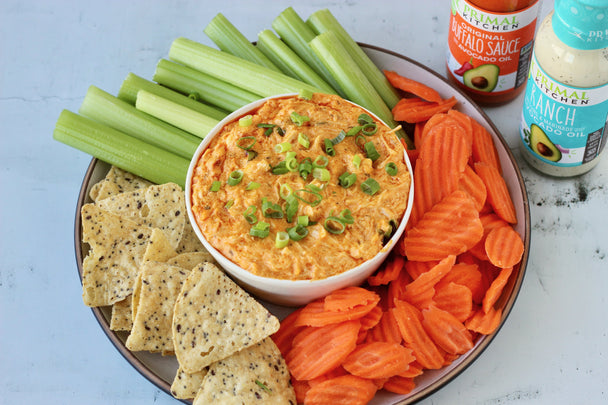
pixel 553 348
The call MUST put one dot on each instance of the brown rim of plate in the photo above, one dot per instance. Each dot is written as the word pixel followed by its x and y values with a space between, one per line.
pixel 512 289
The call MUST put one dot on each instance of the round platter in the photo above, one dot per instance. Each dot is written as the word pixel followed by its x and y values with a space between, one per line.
pixel 160 370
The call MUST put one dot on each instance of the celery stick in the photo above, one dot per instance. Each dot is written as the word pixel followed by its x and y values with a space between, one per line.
pixel 229 39
pixel 133 83
pixel 174 114
pixel 289 62
pixel 323 20
pixel 119 149
pixel 294 31
pixel 118 114
pixel 237 71
pixel 352 80
pixel 208 88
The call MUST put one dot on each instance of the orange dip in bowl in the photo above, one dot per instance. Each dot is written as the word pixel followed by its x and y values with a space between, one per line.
pixel 301 166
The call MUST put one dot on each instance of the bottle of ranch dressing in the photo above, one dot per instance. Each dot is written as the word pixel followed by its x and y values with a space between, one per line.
pixel 565 113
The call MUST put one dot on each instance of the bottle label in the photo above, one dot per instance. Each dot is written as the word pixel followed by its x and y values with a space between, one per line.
pixel 490 52
pixel 562 125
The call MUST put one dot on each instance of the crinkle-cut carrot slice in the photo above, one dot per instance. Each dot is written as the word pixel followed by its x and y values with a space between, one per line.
pixel 451 227
pixel 348 298
pixel 412 86
pixel 399 385
pixel 504 247
pixel 415 269
pixel 300 388
pixel 446 331
pixel 468 275
pixel 484 322
pixel 336 372
pixel 474 186
pixel 344 390
pixel 386 330
pixel 316 313
pixel 428 125
pixel 495 290
pixel 457 299
pixel 418 131
pixel 484 149
pixel 284 336
pixel 413 371
pixel 489 221
pixel 375 360
pixel 498 193
pixel 371 319
pixel 409 319
pixel 444 123
pixel 463 119
pixel 420 292
pixel 389 271
pixel 396 289
pixel 415 109
pixel 322 349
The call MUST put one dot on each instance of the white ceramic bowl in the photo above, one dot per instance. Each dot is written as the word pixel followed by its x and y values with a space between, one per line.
pixel 289 292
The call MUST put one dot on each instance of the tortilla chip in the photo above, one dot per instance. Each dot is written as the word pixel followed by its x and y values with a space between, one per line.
pixel 190 242
pixel 257 374
pixel 117 181
pixel 121 319
pixel 186 385
pixel 158 206
pixel 117 246
pixel 190 260
pixel 159 248
pixel 214 318
pixel 155 292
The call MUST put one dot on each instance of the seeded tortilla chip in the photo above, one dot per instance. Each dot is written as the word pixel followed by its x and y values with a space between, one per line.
pixel 155 292
pixel 158 206
pixel 186 385
pixel 117 181
pixel 121 319
pixel 117 246
pixel 190 260
pixel 159 248
pixel 257 374
pixel 189 242
pixel 214 318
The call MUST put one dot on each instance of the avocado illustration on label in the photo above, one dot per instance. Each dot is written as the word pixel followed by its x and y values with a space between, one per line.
pixel 482 78
pixel 542 145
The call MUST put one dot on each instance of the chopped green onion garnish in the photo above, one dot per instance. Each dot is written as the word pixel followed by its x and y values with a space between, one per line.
pixel 249 214
pixel 365 119
pixel 314 188
pixel 297 233
pixel 369 129
pixel 391 168
pixel 246 142
pixel 353 131
pixel 320 161
pixel 280 168
pixel 245 121
pixel 306 94
pixel 347 179
pixel 270 209
pixel 285 191
pixel 346 216
pixel 281 240
pixel 329 147
pixel 303 140
pixel 251 154
pixel 334 225
pixel 360 141
pixel 308 193
pixel 290 155
pixel 292 164
pixel 291 207
pixel 370 186
pixel 303 220
pixel 298 119
pixel 229 204
pixel 357 161
pixel 253 185
pixel 261 229
pixel 305 168
pixel 270 127
pixel 371 151
pixel 282 147
pixel 215 186
pixel 320 173
pixel 235 178
pixel 339 138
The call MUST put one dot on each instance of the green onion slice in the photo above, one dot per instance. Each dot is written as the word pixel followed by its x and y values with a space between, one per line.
pixel 360 141
pixel 346 216
pixel 306 94
pixel 282 147
pixel 347 179
pixel 329 147
pixel 270 209
pixel 305 168
pixel 291 207
pixel 251 154
pixel 260 230
pixel 391 168
pixel 339 138
pixel 285 190
pixel 215 186
pixel 281 240
pixel 268 128
pixel 370 150
pixel 334 225
pixel 305 195
pixel 320 161
pixel 249 215
pixel 280 168
pixel 303 140
pixel 235 178
pixel 246 142
pixel 253 185
pixel 354 130
pixel 297 233
pixel 246 121
pixel 229 204
pixel 365 119
pixel 369 129
pixel 321 173
pixel 370 186
pixel 303 220
pixel 292 164
pixel 357 161
pixel 298 119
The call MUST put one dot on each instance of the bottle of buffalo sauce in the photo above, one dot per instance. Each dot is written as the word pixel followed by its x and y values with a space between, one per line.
pixel 489 47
